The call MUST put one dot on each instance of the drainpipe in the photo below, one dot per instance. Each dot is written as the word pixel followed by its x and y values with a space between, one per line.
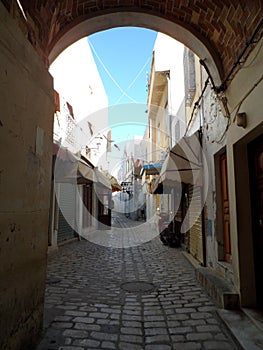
pixel 56 214
pixel 204 264
pixel 169 108
pixel 202 188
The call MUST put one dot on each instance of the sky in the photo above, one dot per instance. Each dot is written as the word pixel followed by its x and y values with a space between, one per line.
pixel 123 57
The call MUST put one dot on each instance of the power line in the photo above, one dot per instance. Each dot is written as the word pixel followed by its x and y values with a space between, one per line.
pixel 196 105
pixel 134 80
pixel 109 74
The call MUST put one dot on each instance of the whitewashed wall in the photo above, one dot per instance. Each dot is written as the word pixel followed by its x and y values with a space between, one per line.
pixel 77 80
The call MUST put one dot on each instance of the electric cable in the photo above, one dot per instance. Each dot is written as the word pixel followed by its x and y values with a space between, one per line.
pixel 109 74
pixel 196 105
pixel 124 93
pixel 134 80
pixel 255 57
pixel 238 108
pixel 222 87
pixel 245 97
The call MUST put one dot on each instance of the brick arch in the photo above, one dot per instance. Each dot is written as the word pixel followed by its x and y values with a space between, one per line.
pixel 108 21
pixel 216 30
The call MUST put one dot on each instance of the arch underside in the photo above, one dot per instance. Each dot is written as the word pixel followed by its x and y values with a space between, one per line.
pixel 143 20
pixel 217 31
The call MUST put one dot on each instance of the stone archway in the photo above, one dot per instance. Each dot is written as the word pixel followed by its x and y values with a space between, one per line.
pixel 144 20
pixel 216 31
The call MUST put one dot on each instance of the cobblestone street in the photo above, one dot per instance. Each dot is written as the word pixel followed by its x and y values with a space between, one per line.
pixel 142 297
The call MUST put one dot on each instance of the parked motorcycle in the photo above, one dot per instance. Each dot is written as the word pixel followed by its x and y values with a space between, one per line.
pixel 167 234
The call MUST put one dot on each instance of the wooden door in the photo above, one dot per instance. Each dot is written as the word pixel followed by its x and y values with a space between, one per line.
pixel 256 180
pixel 225 208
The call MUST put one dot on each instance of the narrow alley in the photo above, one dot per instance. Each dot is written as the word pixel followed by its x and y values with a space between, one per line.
pixel 164 127
pixel 142 297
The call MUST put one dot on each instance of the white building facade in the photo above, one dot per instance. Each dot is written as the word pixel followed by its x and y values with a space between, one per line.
pixel 166 118
pixel 80 135
pixel 77 80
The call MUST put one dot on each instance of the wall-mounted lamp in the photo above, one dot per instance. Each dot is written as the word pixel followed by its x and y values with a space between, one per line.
pixel 242 119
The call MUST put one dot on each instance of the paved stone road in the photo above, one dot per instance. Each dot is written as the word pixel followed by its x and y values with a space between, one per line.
pixel 94 300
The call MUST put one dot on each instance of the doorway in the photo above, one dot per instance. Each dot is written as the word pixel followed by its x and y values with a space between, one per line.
pixel 225 209
pixel 87 201
pixel 104 212
pixel 256 185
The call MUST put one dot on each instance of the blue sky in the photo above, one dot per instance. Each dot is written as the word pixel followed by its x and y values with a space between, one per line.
pixel 123 57
pixel 126 53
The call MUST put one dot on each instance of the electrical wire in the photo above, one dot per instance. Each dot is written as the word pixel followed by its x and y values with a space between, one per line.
pixel 245 97
pixel 222 87
pixel 224 133
pixel 135 79
pixel 141 157
pixel 124 93
pixel 109 74
pixel 238 108
pixel 21 9
pixel 219 90
pixel 256 55
pixel 196 105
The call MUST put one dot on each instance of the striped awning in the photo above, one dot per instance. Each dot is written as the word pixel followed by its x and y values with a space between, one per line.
pixel 182 164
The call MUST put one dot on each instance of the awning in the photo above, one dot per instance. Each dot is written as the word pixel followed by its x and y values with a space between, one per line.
pixel 115 186
pixel 151 169
pixel 182 164
pixel 86 171
pixel 102 179
pixel 69 168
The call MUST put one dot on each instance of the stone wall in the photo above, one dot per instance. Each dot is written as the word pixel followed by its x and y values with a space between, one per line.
pixel 26 119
